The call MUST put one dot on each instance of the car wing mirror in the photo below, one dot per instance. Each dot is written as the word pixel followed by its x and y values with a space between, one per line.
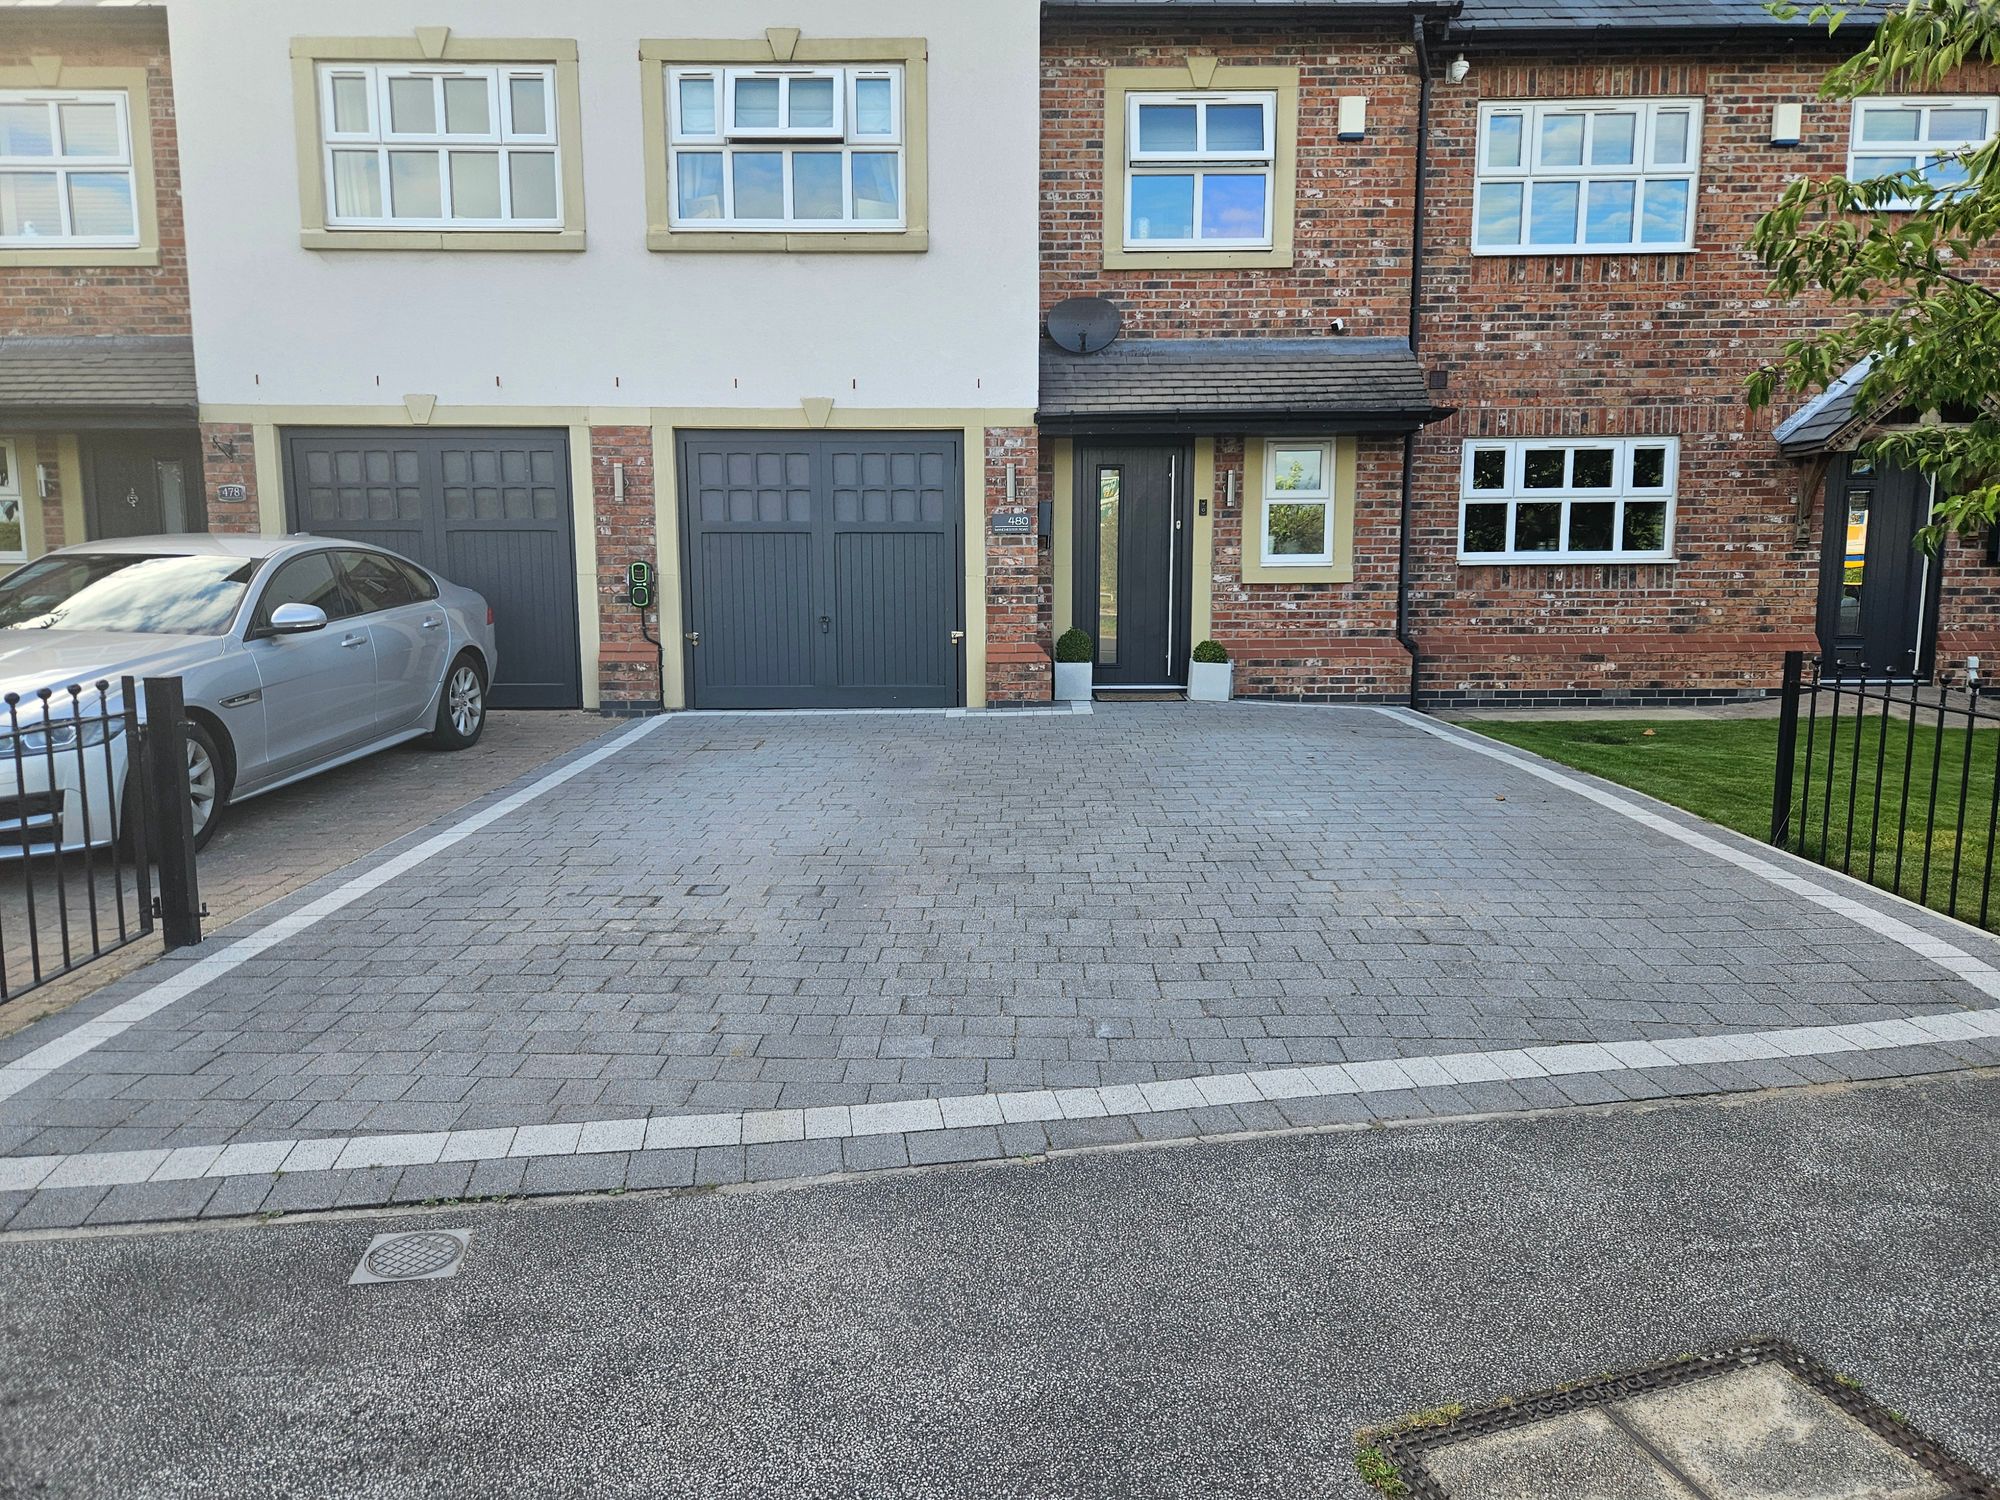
pixel 295 619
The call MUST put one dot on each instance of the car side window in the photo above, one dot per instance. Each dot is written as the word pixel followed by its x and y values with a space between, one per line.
pixel 306 580
pixel 425 586
pixel 376 582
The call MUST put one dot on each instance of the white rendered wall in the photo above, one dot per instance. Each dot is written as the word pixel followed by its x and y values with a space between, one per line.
pixel 617 324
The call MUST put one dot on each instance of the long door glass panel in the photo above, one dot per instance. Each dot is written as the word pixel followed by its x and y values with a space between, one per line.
pixel 1110 496
pixel 1854 561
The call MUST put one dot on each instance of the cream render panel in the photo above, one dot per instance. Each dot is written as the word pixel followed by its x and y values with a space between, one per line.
pixel 283 321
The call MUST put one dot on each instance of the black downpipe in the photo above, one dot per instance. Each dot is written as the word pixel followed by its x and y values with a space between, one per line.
pixel 1403 635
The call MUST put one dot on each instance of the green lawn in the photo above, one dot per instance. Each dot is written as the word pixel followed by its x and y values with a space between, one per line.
pixel 1722 770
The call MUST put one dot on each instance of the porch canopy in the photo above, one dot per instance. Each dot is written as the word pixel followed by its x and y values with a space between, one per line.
pixel 86 382
pixel 1830 422
pixel 1318 386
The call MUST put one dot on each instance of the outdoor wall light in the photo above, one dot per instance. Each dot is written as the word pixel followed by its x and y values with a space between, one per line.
pixel 1458 70
pixel 1786 123
pixel 1353 117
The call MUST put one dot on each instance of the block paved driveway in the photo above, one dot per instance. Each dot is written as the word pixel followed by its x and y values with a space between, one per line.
pixel 776 913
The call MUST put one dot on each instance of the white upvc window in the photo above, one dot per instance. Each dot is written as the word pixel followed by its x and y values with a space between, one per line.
pixel 1297 529
pixel 1893 136
pixel 1587 177
pixel 1567 500
pixel 13 533
pixel 407 146
pixel 66 169
pixel 793 149
pixel 1199 170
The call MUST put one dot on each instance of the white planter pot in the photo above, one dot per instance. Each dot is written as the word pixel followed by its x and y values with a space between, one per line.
pixel 1208 681
pixel 1072 682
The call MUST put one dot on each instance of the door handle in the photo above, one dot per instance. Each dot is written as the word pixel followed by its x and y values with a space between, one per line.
pixel 958 637
pixel 693 637
pixel 349 642
pixel 825 624
pixel 433 622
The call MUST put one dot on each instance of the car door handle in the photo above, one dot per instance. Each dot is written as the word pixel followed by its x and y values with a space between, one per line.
pixel 433 622
pixel 349 642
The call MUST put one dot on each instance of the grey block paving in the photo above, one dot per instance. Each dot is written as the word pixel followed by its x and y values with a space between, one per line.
pixel 884 919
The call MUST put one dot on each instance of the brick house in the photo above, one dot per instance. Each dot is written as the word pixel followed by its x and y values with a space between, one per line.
pixel 1517 465
pixel 97 383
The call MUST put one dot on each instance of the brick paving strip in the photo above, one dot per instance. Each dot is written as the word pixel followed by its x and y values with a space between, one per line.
pixel 649 1151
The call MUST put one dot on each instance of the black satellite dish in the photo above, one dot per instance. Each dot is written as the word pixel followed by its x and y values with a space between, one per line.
pixel 1084 325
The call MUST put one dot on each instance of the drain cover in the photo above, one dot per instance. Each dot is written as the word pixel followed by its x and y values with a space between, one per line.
pixel 1757 1419
pixel 419 1255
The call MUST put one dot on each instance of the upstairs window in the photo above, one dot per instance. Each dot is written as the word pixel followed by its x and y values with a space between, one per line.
pixel 1198 170
pixel 1930 136
pixel 412 147
pixel 66 176
pixel 1579 500
pixel 810 148
pixel 1592 177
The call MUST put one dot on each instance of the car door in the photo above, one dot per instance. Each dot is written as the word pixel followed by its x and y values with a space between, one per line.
pixel 410 636
pixel 319 687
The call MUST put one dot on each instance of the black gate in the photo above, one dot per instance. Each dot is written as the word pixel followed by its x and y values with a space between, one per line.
pixel 488 508
pixel 96 830
pixel 824 570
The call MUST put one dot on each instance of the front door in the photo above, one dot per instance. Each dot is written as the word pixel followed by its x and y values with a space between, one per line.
pixel 142 484
pixel 1878 592
pixel 1132 560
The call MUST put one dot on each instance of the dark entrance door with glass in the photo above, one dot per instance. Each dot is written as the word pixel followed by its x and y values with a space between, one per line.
pixel 1878 592
pixel 142 484
pixel 1132 555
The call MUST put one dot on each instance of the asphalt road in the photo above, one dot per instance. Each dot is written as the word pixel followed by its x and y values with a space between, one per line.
pixel 1204 1319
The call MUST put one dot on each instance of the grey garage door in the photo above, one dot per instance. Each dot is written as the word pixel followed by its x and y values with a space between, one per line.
pixel 487 508
pixel 823 569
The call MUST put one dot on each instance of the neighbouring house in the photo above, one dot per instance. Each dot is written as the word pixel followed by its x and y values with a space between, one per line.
pixel 533 292
pixel 97 379
pixel 1397 345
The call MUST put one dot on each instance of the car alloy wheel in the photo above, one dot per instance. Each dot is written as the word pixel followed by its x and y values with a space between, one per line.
pixel 201 783
pixel 466 701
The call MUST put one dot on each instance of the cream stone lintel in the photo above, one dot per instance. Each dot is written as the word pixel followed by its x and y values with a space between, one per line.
pixel 1062 533
pixel 49 72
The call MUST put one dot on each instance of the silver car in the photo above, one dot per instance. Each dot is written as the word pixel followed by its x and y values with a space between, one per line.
pixel 295 654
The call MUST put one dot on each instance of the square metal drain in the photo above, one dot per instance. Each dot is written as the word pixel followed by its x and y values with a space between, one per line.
pixel 413 1255
pixel 1755 1421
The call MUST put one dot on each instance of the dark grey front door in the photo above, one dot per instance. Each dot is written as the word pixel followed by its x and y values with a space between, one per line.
pixel 1132 557
pixel 1878 592
pixel 823 570
pixel 142 484
pixel 488 508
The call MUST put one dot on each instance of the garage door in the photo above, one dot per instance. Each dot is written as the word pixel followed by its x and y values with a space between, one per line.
pixel 489 509
pixel 823 570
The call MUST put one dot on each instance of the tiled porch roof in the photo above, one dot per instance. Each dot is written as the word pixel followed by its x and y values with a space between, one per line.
pixel 53 379
pixel 1499 19
pixel 1227 385
pixel 1830 421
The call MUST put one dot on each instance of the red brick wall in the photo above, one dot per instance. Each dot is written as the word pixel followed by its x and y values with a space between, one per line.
pixel 1018 579
pixel 1352 220
pixel 1314 640
pixel 628 672
pixel 104 299
pixel 218 468
pixel 1624 344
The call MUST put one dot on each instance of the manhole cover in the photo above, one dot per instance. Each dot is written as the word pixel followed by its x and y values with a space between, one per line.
pixel 420 1255
pixel 1756 1419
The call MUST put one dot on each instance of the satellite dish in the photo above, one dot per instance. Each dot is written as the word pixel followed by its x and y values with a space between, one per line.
pixel 1084 325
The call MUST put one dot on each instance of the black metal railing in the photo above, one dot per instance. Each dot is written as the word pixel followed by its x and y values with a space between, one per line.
pixel 1897 784
pixel 96 830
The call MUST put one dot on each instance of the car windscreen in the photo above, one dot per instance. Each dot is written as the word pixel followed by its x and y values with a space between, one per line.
pixel 126 591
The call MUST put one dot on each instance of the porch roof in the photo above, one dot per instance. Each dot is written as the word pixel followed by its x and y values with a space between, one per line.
pixel 91 381
pixel 1236 385
pixel 1830 421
